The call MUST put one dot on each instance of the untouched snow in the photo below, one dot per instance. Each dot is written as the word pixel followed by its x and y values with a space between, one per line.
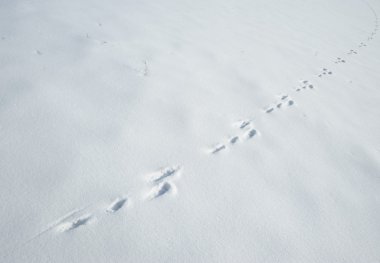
pixel 189 131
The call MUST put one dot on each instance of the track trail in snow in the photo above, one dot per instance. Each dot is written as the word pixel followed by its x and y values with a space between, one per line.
pixel 161 183
pixel 285 101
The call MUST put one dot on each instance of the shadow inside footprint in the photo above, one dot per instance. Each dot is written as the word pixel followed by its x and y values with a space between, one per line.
pixel 166 172
pixel 244 124
pixel 116 205
pixel 252 133
pixel 218 149
pixel 160 190
pixel 233 140
pixel 75 224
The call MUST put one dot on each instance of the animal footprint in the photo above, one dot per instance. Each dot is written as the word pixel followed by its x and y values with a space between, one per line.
pixel 234 139
pixel 304 85
pixel 352 52
pixel 251 133
pixel 325 71
pixel 284 97
pixel 68 226
pixel 269 110
pixel 160 190
pixel 218 148
pixel 244 124
pixel 362 45
pixel 339 60
pixel 163 173
pixel 116 205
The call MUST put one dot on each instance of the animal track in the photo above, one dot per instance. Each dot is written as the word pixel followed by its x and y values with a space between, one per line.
pixel 68 226
pixel 325 71
pixel 269 110
pixel 285 101
pixel 234 139
pixel 244 124
pixel 160 179
pixel 116 205
pixel 218 149
pixel 161 185
pixel 339 60
pixel 163 173
pixel 160 190
pixel 251 133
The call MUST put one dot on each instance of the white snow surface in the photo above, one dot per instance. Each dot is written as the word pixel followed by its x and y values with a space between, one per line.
pixel 189 131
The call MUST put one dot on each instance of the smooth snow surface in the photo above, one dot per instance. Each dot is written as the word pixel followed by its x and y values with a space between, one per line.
pixel 189 131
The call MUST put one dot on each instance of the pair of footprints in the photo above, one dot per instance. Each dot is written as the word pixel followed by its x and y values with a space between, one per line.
pixel 161 185
pixel 373 33
pixel 115 206
pixel 161 182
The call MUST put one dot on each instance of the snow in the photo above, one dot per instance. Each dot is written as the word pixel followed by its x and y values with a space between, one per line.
pixel 189 131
